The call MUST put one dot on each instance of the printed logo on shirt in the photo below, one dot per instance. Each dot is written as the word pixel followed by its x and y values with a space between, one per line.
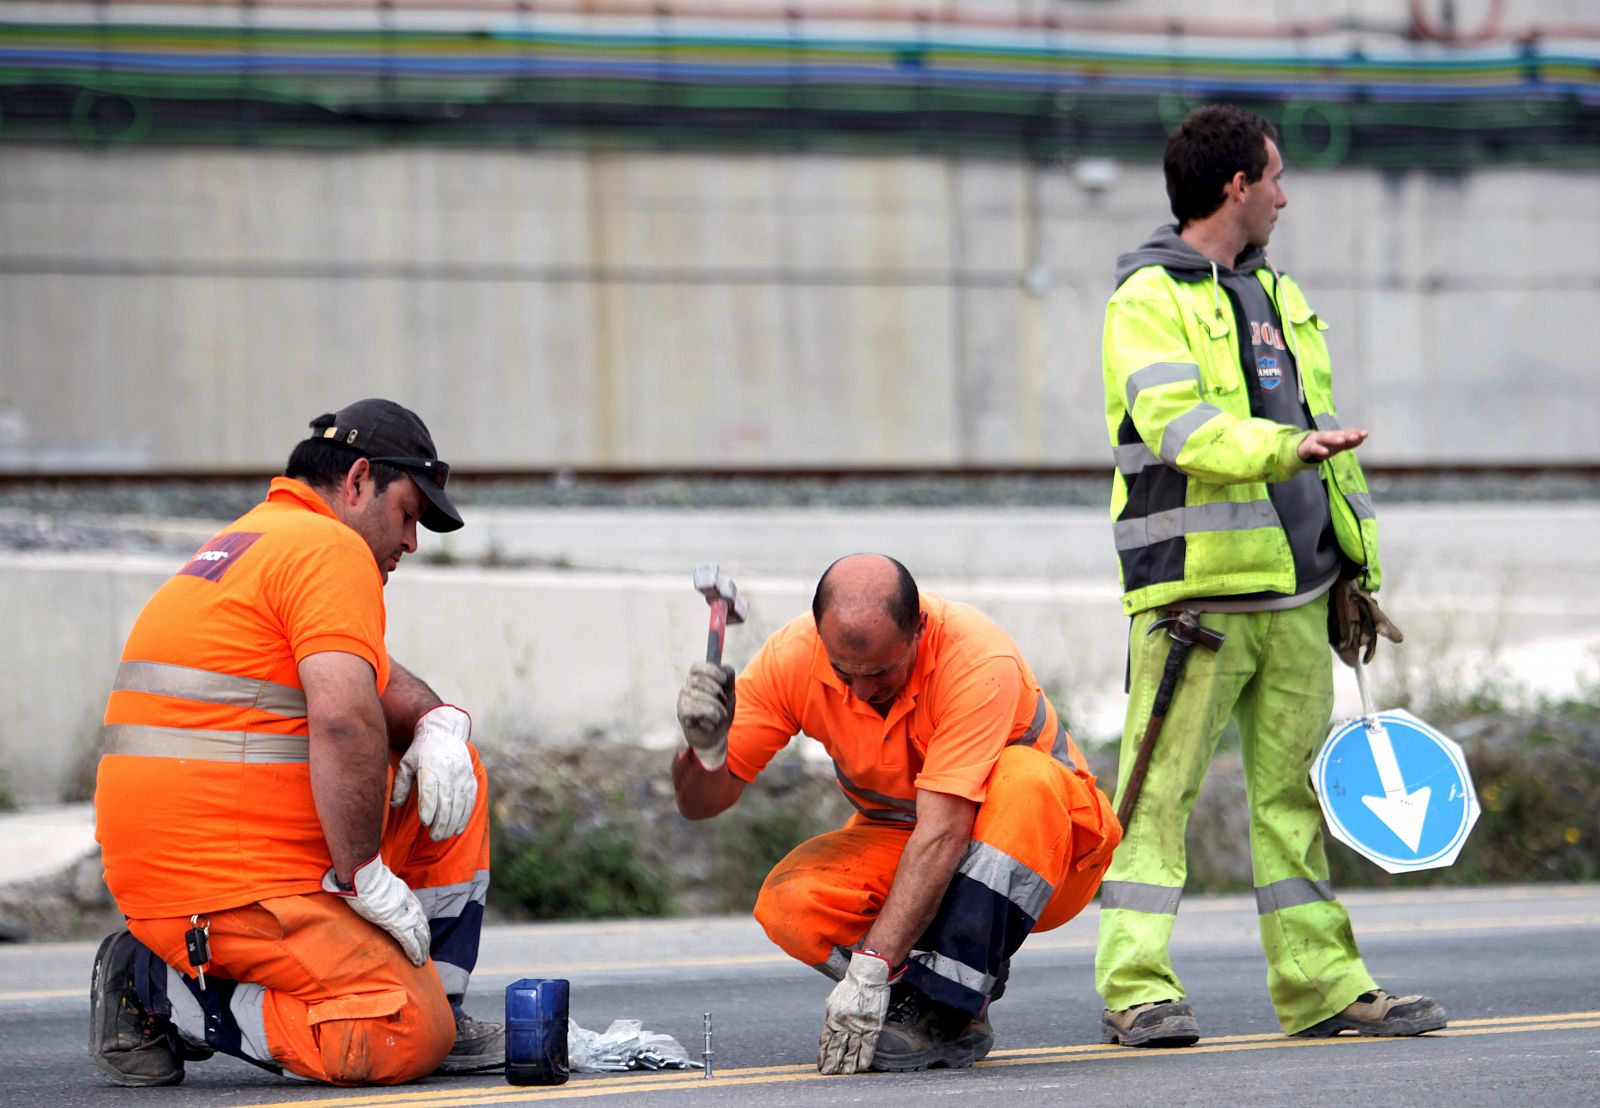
pixel 213 559
pixel 1265 334
pixel 1268 373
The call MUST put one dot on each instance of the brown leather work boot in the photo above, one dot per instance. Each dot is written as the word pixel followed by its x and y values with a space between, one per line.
pixel 1161 1023
pixel 1376 1012
pixel 921 1034
pixel 128 1044
pixel 479 1046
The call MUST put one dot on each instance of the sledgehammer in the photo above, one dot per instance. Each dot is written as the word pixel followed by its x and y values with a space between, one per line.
pixel 727 606
pixel 1185 631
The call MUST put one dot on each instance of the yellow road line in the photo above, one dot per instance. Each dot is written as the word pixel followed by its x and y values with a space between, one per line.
pixel 49 994
pixel 690 1081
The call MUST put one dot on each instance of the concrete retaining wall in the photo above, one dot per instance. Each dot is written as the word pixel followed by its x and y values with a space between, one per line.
pixel 192 309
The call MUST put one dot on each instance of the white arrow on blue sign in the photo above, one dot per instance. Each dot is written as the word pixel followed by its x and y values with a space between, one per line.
pixel 1395 790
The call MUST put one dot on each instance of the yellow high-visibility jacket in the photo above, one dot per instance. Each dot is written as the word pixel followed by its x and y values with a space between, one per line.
pixel 1189 500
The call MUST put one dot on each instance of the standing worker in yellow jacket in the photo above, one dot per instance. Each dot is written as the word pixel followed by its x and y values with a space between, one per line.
pixel 279 909
pixel 1238 495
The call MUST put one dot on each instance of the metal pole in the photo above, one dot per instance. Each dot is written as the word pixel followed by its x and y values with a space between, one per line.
pixel 1368 713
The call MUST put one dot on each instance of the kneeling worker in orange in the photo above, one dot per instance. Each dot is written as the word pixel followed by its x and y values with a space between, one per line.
pixel 977 821
pixel 278 909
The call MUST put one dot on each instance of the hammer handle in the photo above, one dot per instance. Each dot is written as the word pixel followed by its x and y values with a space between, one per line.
pixel 719 628
pixel 1141 766
pixel 1176 654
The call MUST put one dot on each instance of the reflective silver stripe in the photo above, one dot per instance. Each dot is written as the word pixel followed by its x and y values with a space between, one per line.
pixel 1137 896
pixel 959 972
pixel 1034 728
pixel 1326 422
pixel 205 746
pixel 1291 892
pixel 1361 504
pixel 1005 876
pixel 1160 373
pixel 449 901
pixel 882 815
pixel 1061 752
pixel 187 1015
pixel 1174 438
pixel 895 810
pixel 246 1007
pixel 454 979
pixel 209 687
pixel 1132 457
pixel 1175 522
pixel 837 965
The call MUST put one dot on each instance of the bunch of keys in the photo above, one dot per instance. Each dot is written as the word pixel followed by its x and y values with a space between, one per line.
pixel 198 940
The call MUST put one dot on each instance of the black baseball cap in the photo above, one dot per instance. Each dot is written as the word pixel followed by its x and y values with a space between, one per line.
pixel 388 433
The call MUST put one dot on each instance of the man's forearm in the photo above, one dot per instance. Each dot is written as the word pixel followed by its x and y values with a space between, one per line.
pixel 349 759
pixel 702 793
pixel 929 861
pixel 405 701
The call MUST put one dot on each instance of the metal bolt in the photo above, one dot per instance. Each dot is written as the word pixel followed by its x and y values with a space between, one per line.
pixel 706 1056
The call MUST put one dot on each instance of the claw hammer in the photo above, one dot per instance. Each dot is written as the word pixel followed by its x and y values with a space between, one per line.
pixel 727 606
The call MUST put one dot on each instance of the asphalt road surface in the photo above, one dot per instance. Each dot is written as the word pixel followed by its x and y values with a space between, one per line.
pixel 1517 968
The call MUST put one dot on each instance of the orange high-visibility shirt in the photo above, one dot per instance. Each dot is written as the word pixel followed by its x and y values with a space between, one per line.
pixel 203 798
pixel 970 695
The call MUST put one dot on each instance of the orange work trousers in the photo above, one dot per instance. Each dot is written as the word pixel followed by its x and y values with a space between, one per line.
pixel 333 997
pixel 1040 843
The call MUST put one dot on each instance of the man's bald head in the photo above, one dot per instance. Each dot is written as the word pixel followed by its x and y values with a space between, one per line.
pixel 870 620
pixel 859 590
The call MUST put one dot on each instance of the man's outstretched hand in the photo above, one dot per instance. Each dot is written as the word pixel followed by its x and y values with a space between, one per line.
pixel 1321 445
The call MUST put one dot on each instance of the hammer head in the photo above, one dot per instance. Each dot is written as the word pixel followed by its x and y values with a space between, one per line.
pixel 713 584
pixel 1185 627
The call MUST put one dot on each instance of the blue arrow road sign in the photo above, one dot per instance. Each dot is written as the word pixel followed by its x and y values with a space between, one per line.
pixel 1396 790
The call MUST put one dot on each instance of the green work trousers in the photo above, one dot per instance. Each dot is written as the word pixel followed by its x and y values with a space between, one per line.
pixel 1274 674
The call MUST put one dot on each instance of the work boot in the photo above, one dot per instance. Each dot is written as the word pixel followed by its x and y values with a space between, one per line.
pixel 479 1046
pixel 919 1033
pixel 1161 1023
pixel 128 1044
pixel 1376 1012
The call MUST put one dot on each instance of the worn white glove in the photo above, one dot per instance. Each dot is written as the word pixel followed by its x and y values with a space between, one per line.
pixel 378 896
pixel 705 711
pixel 854 1016
pixel 439 761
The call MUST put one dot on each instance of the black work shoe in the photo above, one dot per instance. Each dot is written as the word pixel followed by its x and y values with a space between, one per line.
pixel 479 1046
pixel 921 1034
pixel 1376 1012
pixel 1162 1023
pixel 129 1045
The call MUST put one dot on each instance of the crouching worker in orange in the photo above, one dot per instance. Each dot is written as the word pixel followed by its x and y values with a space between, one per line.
pixel 977 821
pixel 295 826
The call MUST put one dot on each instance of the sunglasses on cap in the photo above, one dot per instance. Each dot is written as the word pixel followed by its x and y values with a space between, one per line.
pixel 432 468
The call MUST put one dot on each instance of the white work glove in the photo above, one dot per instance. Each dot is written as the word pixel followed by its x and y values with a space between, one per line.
pixel 854 1016
pixel 705 711
pixel 439 761
pixel 378 896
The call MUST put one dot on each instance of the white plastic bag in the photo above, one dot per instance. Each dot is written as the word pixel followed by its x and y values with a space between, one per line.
pixel 625 1045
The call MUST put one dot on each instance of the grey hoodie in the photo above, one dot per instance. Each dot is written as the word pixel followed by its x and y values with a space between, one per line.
pixel 1165 248
pixel 1302 501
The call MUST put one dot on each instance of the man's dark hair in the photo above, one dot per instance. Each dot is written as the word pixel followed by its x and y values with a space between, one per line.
pixel 904 606
pixel 322 464
pixel 1211 145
